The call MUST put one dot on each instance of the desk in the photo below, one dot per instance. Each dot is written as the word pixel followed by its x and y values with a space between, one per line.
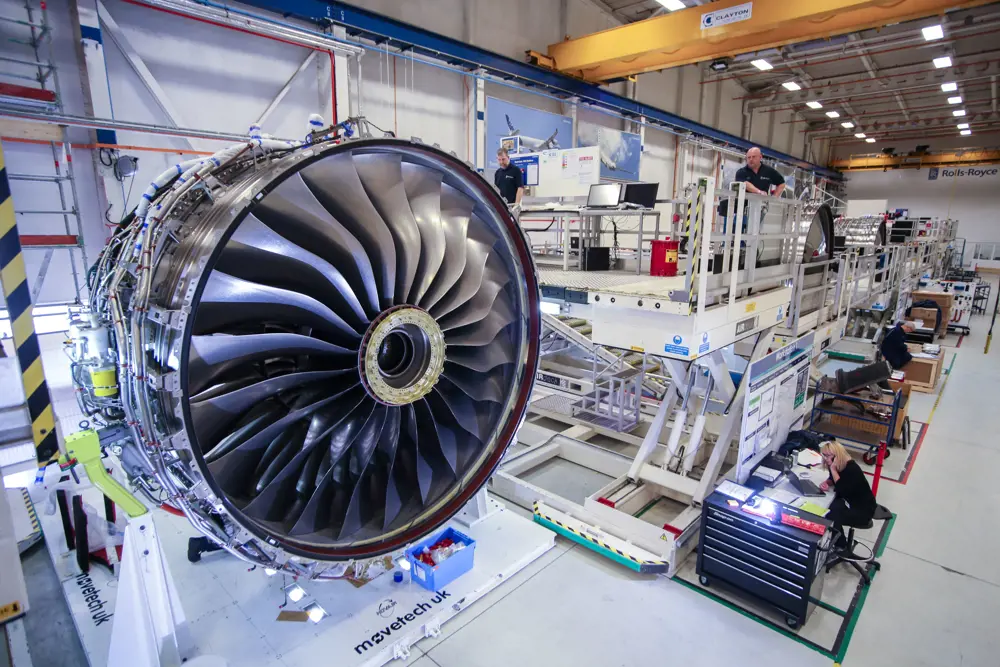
pixel 817 475
pixel 590 227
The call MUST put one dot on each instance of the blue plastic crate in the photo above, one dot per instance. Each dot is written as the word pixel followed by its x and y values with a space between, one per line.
pixel 437 577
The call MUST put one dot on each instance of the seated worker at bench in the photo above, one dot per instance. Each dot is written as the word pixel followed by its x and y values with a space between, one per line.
pixel 894 346
pixel 854 502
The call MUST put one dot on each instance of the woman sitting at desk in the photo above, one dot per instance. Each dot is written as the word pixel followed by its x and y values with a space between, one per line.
pixel 854 503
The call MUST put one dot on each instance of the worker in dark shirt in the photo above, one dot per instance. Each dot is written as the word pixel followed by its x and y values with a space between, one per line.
pixel 508 179
pixel 854 502
pixel 894 348
pixel 760 179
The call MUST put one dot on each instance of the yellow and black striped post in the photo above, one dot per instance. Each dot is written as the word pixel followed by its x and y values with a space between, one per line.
pixel 29 354
pixel 694 241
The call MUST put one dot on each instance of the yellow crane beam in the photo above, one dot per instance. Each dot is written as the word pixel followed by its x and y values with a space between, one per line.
pixel 880 162
pixel 701 33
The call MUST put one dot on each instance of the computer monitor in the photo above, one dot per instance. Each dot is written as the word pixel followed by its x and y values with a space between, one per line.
pixel 641 194
pixel 604 195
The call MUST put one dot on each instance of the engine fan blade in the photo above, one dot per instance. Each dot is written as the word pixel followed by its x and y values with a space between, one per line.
pixel 476 257
pixel 382 176
pixel 473 383
pixel 484 331
pixel 213 357
pixel 336 184
pixel 214 414
pixel 228 301
pixel 293 211
pixel 423 190
pixel 455 211
pixel 331 286
pixel 484 357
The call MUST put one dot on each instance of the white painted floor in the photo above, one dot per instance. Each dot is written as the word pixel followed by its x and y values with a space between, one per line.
pixel 935 602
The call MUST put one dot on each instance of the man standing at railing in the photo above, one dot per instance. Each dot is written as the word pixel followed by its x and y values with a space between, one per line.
pixel 760 178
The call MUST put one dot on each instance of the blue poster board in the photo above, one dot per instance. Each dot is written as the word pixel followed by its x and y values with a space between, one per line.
pixel 536 130
pixel 620 151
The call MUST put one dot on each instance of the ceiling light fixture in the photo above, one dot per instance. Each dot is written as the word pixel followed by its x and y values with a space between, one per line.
pixel 833 114
pixel 949 87
pixel 955 100
pixel 958 112
pixel 965 133
pixel 943 61
pixel 963 126
pixel 672 5
pixel 720 65
pixel 847 124
pixel 933 32
pixel 869 140
pixel 762 64
pixel 791 85
pixel 860 135
pixel 814 105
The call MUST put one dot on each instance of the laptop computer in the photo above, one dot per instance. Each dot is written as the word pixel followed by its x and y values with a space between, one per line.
pixel 804 487
pixel 604 195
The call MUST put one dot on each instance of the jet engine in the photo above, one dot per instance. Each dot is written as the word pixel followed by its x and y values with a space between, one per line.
pixel 323 349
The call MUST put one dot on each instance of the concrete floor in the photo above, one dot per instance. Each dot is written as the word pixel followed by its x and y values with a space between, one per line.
pixel 934 603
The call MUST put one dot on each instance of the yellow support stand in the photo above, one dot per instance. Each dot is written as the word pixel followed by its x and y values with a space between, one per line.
pixel 85 447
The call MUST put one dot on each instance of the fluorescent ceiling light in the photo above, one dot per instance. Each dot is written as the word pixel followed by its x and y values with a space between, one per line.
pixel 860 135
pixel 674 5
pixel 949 87
pixel 814 105
pixel 762 64
pixel 955 100
pixel 869 140
pixel 943 61
pixel 963 126
pixel 958 112
pixel 933 32
pixel 965 133
pixel 791 85
pixel 847 124
pixel 833 114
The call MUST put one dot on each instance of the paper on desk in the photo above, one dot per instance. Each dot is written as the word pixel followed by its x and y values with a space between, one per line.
pixel 741 493
pixel 808 457
pixel 783 497
pixel 813 508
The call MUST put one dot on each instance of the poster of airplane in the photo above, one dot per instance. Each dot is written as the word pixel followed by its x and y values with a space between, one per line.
pixel 536 130
pixel 620 151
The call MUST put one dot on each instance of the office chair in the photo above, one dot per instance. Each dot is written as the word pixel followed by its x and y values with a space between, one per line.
pixel 882 513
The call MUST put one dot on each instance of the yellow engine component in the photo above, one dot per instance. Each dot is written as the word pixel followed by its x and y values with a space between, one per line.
pixel 105 381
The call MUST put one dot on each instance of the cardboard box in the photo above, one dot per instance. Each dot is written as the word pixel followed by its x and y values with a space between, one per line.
pixel 923 374
pixel 943 299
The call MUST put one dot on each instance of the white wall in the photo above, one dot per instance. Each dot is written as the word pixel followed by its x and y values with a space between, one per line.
pixel 971 199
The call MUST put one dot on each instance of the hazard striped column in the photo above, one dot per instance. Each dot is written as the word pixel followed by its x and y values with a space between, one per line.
pixel 29 354
pixel 694 242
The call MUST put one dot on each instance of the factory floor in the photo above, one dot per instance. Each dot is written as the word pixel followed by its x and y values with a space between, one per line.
pixel 934 603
